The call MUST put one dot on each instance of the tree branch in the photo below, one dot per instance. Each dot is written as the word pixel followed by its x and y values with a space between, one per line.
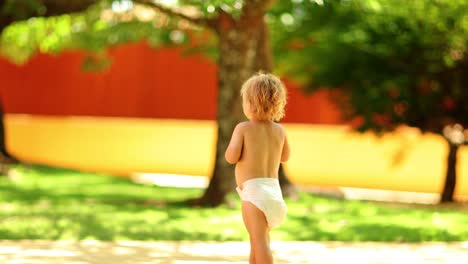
pixel 48 8
pixel 60 7
pixel 201 21
pixel 255 8
pixel 224 22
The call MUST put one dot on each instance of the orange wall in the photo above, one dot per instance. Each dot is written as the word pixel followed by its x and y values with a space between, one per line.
pixel 141 82
pixel 161 84
pixel 322 155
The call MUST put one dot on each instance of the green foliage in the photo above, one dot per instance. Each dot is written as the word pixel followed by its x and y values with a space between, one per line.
pixel 22 40
pixel 103 25
pixel 394 61
pixel 50 203
pixel 398 62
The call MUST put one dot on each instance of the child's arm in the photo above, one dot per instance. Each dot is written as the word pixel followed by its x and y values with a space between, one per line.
pixel 234 150
pixel 286 150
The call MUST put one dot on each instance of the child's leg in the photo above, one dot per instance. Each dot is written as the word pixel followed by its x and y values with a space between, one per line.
pixel 252 254
pixel 257 227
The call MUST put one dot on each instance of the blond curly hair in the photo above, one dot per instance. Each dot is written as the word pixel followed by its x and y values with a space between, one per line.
pixel 266 96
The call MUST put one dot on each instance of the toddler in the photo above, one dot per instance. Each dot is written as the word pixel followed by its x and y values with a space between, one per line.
pixel 257 147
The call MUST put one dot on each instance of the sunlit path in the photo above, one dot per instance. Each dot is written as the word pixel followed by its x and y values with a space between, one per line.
pixel 137 252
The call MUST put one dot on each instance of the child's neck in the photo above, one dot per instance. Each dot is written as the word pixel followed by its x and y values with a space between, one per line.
pixel 256 120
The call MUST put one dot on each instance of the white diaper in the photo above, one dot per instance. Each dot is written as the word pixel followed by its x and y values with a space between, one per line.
pixel 265 194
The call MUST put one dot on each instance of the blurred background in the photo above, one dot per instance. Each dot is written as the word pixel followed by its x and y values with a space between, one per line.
pixel 149 91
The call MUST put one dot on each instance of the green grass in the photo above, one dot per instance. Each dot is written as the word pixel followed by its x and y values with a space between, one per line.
pixel 50 203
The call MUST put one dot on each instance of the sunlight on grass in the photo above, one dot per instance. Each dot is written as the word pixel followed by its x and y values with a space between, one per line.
pixel 41 202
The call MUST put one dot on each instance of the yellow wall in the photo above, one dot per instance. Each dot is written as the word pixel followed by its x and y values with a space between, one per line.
pixel 321 155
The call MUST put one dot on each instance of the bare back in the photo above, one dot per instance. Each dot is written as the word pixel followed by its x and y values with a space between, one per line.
pixel 262 149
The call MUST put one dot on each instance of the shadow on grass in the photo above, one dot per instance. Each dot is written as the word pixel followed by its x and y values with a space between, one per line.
pixel 51 203
pixel 379 232
pixel 58 184
pixel 331 219
pixel 103 219
pixel 90 227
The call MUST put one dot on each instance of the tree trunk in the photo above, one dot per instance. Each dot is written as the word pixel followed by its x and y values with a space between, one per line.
pixel 264 62
pixel 451 175
pixel 3 150
pixel 243 50
pixel 5 157
pixel 237 48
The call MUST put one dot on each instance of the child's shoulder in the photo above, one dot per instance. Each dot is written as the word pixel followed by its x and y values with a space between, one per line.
pixel 253 125
pixel 278 126
pixel 247 125
pixel 243 125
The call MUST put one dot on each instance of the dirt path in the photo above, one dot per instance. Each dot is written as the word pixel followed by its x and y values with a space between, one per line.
pixel 138 252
